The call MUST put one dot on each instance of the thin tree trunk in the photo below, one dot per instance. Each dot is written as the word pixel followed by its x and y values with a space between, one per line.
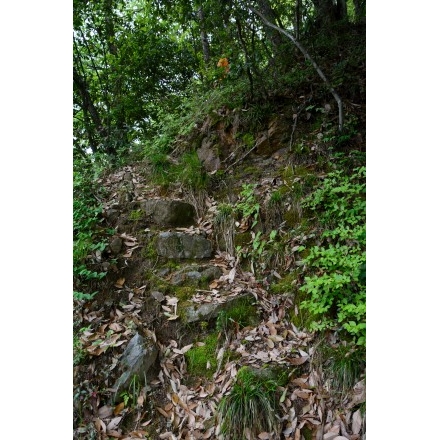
pixel 298 12
pixel 88 106
pixel 308 57
pixel 203 36
pixel 247 58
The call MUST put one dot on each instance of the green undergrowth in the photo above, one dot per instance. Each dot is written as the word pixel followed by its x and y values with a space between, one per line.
pixel 89 235
pixel 241 314
pixel 335 281
pixel 188 171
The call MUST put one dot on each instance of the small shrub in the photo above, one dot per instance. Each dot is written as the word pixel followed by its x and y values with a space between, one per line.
pixel 336 286
pixel 79 353
pixel 130 396
pixel 248 205
pixel 190 172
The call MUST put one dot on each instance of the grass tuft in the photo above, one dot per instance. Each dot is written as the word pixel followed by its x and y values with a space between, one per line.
pixel 250 407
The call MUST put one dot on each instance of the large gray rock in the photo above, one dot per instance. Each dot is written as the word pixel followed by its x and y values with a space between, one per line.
pixel 137 358
pixel 180 245
pixel 274 138
pixel 174 213
pixel 194 275
pixel 208 311
pixel 207 154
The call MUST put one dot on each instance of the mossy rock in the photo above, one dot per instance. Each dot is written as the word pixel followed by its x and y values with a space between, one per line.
pixel 177 245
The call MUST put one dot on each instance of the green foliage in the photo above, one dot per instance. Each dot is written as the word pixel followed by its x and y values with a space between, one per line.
pixel 87 235
pixel 130 396
pixel 276 198
pixel 80 296
pixel 136 215
pixel 225 212
pixel 190 172
pixel 248 205
pixel 336 288
pixel 261 251
pixel 248 140
pixel 202 360
pixel 79 353
pixel 251 405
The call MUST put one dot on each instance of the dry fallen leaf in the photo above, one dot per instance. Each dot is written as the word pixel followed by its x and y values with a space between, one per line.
pixel 114 423
pixel 356 423
pixel 105 412
pixel 118 408
pixel 270 343
pixel 163 412
pixel 100 425
pixel 298 361
pixel 120 283
pixel 175 399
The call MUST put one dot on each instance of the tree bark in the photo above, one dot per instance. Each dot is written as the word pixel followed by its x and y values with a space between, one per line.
pixel 328 11
pixel 312 61
pixel 203 35
pixel 298 18
pixel 247 58
pixel 88 106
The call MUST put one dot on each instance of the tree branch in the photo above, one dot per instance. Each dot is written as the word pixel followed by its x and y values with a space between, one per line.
pixel 308 57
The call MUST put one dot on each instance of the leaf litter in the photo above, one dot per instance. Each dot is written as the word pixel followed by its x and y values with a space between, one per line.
pixel 189 411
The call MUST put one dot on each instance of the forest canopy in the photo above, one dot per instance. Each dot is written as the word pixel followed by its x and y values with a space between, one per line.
pixel 134 61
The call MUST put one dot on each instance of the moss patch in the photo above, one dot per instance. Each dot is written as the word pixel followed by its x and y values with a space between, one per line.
pixel 184 293
pixel 199 358
pixel 136 215
pixel 242 313
pixel 149 250
pixel 242 239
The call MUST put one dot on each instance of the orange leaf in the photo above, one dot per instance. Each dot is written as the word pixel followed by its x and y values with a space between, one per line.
pixel 120 282
pixel 118 408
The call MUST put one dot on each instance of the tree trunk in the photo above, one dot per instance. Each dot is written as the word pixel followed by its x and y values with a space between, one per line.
pixel 87 103
pixel 298 18
pixel 247 58
pixel 327 12
pixel 203 35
